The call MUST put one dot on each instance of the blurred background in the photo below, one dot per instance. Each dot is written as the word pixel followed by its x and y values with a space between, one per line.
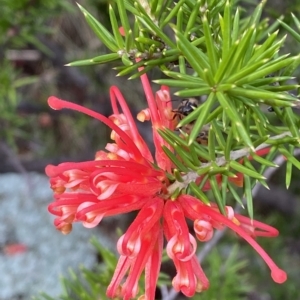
pixel 37 38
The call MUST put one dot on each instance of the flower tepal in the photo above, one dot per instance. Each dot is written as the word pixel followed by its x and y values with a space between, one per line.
pixel 125 177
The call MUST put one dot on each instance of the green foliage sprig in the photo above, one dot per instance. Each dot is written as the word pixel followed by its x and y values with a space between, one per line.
pixel 208 49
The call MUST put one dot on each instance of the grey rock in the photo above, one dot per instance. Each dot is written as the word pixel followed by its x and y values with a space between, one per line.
pixel 24 219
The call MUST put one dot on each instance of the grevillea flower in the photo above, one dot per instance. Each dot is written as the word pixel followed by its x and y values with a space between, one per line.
pixel 127 178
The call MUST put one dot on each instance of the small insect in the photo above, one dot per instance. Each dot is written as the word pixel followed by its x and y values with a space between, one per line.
pixel 202 137
pixel 186 107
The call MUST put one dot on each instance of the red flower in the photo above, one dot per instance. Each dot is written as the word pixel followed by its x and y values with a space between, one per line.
pixel 126 178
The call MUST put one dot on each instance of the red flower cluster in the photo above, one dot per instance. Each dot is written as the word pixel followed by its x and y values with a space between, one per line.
pixel 126 178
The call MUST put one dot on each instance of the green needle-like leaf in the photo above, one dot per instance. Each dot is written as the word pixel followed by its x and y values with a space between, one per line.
pixel 260 95
pixel 235 133
pixel 172 14
pixel 196 58
pixel 265 46
pixel 229 143
pixel 293 33
pixel 211 145
pixel 185 157
pixel 250 49
pixel 181 83
pixel 251 76
pixel 175 160
pixel 156 30
pixel 104 35
pixel 208 77
pixel 244 72
pixel 201 151
pixel 284 140
pixel 288 175
pixel 216 191
pixel 244 170
pixel 129 42
pixel 180 19
pixel 158 9
pixel 229 173
pixel 143 71
pixel 246 116
pixel 148 41
pixel 106 58
pixel 184 77
pixel 192 18
pixel 248 195
pixel 259 115
pixel 164 12
pixel 203 170
pixel 270 157
pixel 226 61
pixel 129 69
pixel 270 80
pixel 214 170
pixel 115 28
pixel 187 93
pixel 198 193
pixel 226 31
pixel 218 133
pixel 224 188
pixel 203 181
pixel 261 129
pixel 260 141
pixel 282 88
pixel 160 61
pixel 235 194
pixel 269 29
pixel 201 120
pixel 296 21
pixel 249 165
pixel 123 15
pixel 289 156
pixel 290 120
pixel 235 118
pixel 171 137
pixel 182 64
pixel 175 194
pixel 215 114
pixel 255 16
pixel 268 52
pixel 177 175
pixel 289 169
pixel 143 10
pixel 235 27
pixel 193 155
pixel 240 52
pixel 87 62
pixel 126 60
pixel 198 42
pixel 292 67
